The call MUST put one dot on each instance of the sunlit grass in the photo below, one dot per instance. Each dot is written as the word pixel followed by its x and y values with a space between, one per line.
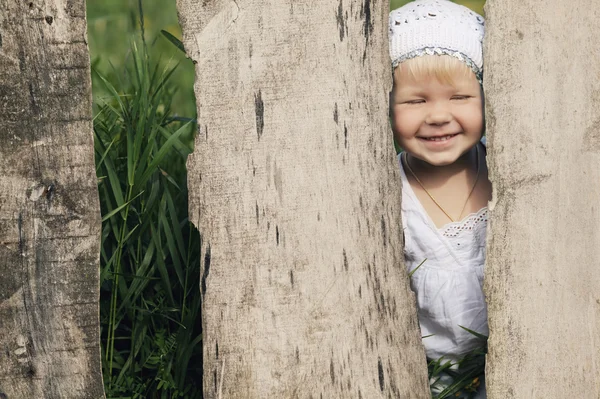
pixel 114 24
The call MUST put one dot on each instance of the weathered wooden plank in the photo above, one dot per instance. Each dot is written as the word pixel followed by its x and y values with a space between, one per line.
pixel 542 275
pixel 295 188
pixel 49 212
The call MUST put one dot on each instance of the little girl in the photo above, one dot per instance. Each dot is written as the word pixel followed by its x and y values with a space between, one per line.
pixel 437 117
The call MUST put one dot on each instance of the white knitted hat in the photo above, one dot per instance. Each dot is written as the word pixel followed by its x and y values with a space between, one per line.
pixel 439 27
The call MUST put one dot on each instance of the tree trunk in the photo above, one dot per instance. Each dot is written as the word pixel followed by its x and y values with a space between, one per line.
pixel 294 186
pixel 542 275
pixel 49 212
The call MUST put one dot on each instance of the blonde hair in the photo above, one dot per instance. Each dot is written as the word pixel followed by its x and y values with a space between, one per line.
pixel 444 68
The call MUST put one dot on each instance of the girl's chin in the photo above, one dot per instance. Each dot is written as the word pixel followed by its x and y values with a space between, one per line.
pixel 441 162
pixel 437 159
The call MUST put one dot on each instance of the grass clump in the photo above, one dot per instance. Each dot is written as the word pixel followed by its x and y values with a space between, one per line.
pixel 149 297
pixel 461 378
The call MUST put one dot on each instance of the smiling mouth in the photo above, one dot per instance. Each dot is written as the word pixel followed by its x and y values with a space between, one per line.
pixel 439 138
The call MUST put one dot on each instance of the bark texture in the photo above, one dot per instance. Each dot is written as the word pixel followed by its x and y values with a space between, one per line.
pixel 542 275
pixel 49 212
pixel 295 189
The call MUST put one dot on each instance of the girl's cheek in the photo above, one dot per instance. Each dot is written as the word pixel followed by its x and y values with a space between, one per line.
pixel 400 114
pixel 404 121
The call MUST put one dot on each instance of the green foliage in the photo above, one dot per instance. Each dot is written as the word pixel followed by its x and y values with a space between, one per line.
pixel 111 26
pixel 150 299
pixel 461 378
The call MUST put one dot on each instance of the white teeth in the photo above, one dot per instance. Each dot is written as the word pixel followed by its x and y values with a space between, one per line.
pixel 443 138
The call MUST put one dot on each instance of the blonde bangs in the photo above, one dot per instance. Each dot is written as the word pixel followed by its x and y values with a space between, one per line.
pixel 444 68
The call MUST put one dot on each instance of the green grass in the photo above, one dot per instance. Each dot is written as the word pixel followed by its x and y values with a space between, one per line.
pixel 112 27
pixel 150 296
pixel 461 378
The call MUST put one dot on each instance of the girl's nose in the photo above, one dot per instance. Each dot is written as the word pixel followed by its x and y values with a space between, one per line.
pixel 438 114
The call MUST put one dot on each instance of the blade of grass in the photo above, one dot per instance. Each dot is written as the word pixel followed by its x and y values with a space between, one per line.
pixel 174 224
pixel 166 147
pixel 416 268
pixel 183 148
pixel 176 42
pixel 119 208
pixel 162 267
pixel 175 255
pixel 478 335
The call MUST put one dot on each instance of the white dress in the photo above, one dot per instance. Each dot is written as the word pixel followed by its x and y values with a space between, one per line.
pixel 449 284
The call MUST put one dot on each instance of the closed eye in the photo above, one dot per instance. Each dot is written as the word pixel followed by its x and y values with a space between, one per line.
pixel 460 97
pixel 414 102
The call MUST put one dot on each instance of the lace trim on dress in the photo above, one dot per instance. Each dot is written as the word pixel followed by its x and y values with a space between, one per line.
pixel 471 222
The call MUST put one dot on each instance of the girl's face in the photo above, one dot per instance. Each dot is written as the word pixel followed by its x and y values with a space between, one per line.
pixel 434 121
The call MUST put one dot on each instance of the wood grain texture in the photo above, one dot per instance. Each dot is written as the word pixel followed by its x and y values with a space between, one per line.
pixel 543 121
pixel 49 211
pixel 295 188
